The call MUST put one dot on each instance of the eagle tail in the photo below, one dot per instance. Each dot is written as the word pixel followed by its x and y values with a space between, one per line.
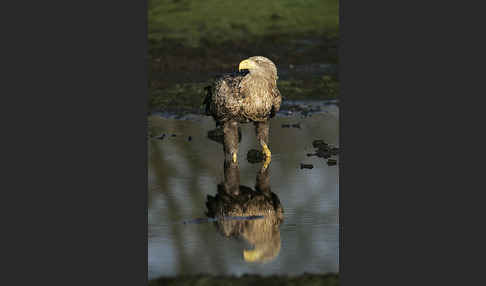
pixel 272 112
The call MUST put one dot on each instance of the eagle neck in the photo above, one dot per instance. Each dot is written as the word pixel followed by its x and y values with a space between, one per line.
pixel 261 79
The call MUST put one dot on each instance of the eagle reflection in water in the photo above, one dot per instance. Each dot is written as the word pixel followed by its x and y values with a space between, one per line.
pixel 234 200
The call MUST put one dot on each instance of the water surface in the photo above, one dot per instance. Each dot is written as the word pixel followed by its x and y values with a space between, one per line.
pixel 183 172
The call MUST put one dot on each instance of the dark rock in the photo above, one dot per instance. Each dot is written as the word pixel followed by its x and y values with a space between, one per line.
pixel 189 138
pixel 162 136
pixel 322 153
pixel 295 125
pixel 319 144
pixel 306 166
pixel 255 156
pixel 331 162
pixel 216 135
pixel 335 151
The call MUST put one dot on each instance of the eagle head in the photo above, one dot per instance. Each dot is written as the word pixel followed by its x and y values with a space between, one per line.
pixel 259 66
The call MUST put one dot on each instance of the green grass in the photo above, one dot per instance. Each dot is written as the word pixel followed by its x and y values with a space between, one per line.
pixel 191 21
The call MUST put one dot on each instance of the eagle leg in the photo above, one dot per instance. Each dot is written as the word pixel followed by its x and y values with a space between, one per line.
pixel 230 143
pixel 262 129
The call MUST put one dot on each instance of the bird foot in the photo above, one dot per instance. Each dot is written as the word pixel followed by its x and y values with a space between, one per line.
pixel 268 155
pixel 252 255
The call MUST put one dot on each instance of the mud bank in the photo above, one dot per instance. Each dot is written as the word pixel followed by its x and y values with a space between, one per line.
pixel 201 280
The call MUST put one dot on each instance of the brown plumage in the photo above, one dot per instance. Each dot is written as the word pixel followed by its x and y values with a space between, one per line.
pixel 250 95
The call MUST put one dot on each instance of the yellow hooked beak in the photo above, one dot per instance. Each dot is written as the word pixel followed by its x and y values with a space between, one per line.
pixel 246 65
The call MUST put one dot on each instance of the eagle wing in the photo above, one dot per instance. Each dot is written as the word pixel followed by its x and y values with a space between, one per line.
pixel 277 101
pixel 237 97
pixel 224 98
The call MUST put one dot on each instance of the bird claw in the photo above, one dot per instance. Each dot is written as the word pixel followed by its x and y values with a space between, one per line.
pixel 268 155
pixel 265 165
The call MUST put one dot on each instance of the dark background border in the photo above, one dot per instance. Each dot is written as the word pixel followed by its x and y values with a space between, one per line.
pixel 76 163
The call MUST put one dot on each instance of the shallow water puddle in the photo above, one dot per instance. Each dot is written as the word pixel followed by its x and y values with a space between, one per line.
pixel 185 167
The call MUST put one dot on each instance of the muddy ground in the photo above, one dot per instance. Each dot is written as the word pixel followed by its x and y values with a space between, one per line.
pixel 202 280
pixel 307 67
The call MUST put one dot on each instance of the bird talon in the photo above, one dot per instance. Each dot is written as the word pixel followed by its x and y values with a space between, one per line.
pixel 267 152
pixel 265 165
pixel 268 155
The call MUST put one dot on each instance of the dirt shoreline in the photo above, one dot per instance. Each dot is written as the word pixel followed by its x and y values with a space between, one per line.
pixel 204 279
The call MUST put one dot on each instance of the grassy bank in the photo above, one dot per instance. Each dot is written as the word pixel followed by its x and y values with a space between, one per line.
pixel 189 41
pixel 192 22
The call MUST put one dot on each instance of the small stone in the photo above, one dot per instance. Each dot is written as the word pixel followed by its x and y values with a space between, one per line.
pixel 306 166
pixel 334 151
pixel 323 154
pixel 189 138
pixel 255 156
pixel 216 135
pixel 319 144
pixel 331 162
